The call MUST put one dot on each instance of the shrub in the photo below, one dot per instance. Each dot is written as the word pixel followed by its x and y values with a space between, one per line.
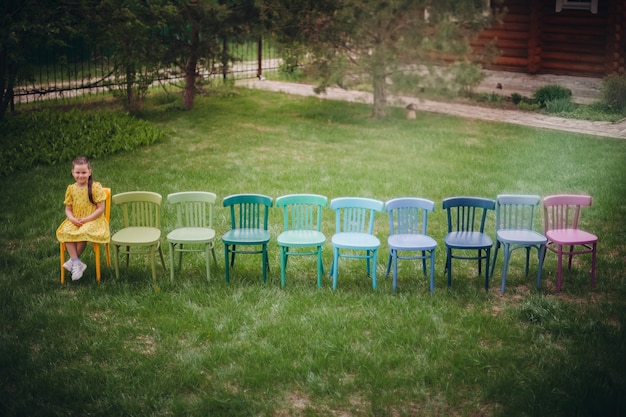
pixel 516 98
pixel 560 105
pixel 50 137
pixel 551 92
pixel 614 92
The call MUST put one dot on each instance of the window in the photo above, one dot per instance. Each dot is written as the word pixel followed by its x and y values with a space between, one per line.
pixel 591 5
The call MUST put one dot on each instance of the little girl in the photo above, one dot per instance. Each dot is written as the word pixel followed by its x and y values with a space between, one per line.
pixel 85 222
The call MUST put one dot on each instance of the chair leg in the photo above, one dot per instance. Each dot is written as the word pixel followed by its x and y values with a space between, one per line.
pixel 432 271
pixel 266 264
pixel 96 251
pixel 162 257
pixel 424 262
pixel 541 256
pixel 389 264
pixel 153 263
pixel 335 267
pixel 283 265
pixel 172 250
pixel 593 264
pixel 62 257
pixel 505 267
pixel 116 261
pixel 394 255
pixel 449 265
pixel 495 257
pixel 180 257
pixel 487 259
pixel 227 263
pixel 207 253
pixel 320 267
pixel 374 264
pixel 527 259
pixel 559 267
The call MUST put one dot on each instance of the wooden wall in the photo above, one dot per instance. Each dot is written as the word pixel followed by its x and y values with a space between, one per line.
pixel 534 38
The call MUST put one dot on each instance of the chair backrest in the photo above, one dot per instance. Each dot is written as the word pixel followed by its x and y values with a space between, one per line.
pixel 193 208
pixel 107 204
pixel 563 211
pixel 467 214
pixel 408 215
pixel 248 211
pixel 516 212
pixel 140 208
pixel 355 214
pixel 302 211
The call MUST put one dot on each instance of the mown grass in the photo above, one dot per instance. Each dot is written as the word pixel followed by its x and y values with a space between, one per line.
pixel 136 347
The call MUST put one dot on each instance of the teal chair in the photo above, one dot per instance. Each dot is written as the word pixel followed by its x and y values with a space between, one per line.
pixel 408 239
pixel 515 217
pixel 194 227
pixel 302 216
pixel 248 223
pixel 354 233
pixel 141 233
pixel 466 232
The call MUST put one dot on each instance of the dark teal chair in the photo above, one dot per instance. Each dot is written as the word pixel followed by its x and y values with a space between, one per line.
pixel 248 228
pixel 466 232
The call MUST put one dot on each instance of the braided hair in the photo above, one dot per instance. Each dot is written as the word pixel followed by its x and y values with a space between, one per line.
pixel 82 160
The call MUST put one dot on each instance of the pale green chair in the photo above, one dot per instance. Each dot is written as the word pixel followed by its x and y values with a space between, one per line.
pixel 141 233
pixel 194 227
pixel 302 216
pixel 248 222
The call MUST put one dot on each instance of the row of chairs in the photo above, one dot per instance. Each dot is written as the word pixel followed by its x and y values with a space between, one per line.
pixel 354 231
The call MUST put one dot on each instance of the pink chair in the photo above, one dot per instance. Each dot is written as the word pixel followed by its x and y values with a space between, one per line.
pixel 560 225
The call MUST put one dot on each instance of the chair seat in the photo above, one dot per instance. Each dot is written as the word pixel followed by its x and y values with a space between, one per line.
pixel 468 240
pixel 570 236
pixel 296 238
pixel 521 237
pixel 136 236
pixel 198 235
pixel 353 240
pixel 246 237
pixel 411 242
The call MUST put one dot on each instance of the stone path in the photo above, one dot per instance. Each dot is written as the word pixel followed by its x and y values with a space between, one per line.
pixel 606 129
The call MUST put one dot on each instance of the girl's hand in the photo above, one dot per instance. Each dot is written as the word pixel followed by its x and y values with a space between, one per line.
pixel 77 222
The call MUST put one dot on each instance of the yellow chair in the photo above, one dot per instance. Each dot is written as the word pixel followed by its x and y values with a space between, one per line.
pixel 142 227
pixel 96 246
pixel 194 226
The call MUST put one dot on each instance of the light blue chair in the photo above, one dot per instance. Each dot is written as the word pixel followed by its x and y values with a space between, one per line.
pixel 194 227
pixel 248 222
pixel 515 217
pixel 466 232
pixel 354 232
pixel 408 223
pixel 302 216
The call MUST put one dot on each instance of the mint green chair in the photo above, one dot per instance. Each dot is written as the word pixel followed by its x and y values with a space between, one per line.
pixel 354 233
pixel 248 222
pixel 194 227
pixel 141 233
pixel 302 216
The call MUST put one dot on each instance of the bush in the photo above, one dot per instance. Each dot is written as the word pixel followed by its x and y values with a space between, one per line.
pixel 560 105
pixel 614 92
pixel 50 137
pixel 551 92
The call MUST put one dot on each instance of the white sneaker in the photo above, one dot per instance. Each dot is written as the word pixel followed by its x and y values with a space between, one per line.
pixel 68 265
pixel 77 270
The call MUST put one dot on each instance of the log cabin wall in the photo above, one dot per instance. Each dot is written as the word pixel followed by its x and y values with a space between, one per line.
pixel 534 38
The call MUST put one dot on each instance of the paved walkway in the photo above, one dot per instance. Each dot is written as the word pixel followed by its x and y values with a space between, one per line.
pixel 607 129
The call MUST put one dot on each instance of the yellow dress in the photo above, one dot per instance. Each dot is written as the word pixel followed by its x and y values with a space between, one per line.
pixel 96 230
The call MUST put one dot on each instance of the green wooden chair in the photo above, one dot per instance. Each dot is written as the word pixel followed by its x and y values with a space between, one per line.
pixel 302 216
pixel 194 227
pixel 141 233
pixel 248 221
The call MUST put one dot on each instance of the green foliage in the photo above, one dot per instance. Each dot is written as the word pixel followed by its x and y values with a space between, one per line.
pixel 559 105
pixel 50 137
pixel 551 92
pixel 614 92
pixel 516 98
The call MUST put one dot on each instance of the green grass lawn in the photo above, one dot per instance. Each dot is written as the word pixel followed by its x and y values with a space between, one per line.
pixel 134 347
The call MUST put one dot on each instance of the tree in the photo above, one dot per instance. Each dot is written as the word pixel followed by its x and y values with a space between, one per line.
pixel 371 40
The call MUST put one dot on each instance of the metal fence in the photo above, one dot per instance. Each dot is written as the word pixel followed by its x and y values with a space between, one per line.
pixel 87 70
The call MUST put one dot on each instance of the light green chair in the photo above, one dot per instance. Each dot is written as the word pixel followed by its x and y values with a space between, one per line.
pixel 302 215
pixel 194 226
pixel 141 233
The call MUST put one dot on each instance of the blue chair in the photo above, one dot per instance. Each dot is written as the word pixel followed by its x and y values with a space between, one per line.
pixel 248 222
pixel 194 227
pixel 302 216
pixel 354 227
pixel 515 216
pixel 408 223
pixel 466 232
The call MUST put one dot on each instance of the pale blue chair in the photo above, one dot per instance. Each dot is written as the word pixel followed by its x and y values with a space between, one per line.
pixel 466 232
pixel 302 217
pixel 515 217
pixel 408 227
pixel 194 227
pixel 248 222
pixel 354 233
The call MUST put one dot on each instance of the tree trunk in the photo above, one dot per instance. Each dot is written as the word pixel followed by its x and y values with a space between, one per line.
pixel 190 68
pixel 380 93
